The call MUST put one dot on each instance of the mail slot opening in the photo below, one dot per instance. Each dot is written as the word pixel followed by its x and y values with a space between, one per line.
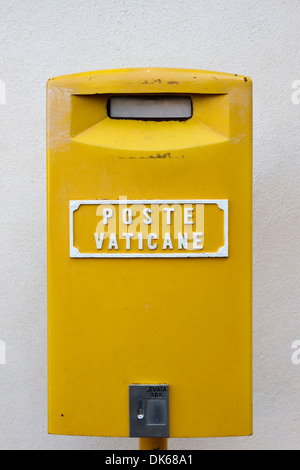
pixel 151 108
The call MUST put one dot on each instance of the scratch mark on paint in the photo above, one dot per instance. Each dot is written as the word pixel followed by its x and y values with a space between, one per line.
pixel 152 82
pixel 238 138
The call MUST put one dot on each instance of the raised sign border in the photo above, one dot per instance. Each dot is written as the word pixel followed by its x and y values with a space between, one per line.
pixel 221 253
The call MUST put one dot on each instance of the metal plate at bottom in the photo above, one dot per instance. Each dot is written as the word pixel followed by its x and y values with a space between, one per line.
pixel 149 410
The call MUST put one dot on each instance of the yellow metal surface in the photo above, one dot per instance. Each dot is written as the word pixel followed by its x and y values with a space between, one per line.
pixel 186 321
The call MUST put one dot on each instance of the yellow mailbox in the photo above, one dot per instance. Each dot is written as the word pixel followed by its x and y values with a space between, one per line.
pixel 149 175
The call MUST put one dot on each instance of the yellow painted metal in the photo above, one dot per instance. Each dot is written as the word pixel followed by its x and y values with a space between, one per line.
pixel 153 443
pixel 115 322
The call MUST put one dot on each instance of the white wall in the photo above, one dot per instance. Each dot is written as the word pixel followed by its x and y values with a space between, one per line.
pixel 41 39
